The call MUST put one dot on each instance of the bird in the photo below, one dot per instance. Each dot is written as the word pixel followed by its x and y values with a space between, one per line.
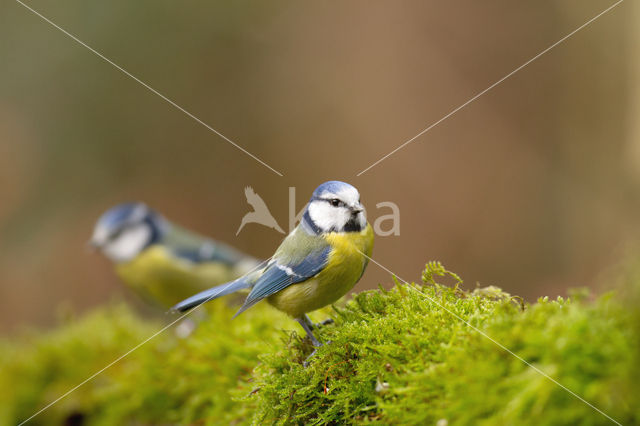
pixel 260 213
pixel 160 260
pixel 321 260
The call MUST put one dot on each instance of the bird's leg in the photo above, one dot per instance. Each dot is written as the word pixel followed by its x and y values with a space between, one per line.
pixel 307 325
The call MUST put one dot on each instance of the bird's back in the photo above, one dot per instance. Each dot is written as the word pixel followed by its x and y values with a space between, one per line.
pixel 198 249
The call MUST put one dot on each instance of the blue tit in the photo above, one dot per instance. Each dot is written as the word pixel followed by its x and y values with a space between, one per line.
pixel 316 264
pixel 161 261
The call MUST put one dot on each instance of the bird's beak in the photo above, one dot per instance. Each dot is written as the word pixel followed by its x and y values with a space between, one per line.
pixel 92 246
pixel 99 238
pixel 358 208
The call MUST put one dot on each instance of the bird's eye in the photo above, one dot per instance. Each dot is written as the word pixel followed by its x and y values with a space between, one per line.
pixel 114 235
pixel 335 202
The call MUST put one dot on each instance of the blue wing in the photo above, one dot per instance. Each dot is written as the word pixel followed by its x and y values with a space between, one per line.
pixel 278 276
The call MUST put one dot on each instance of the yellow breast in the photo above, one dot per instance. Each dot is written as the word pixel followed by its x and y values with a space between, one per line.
pixel 157 274
pixel 344 268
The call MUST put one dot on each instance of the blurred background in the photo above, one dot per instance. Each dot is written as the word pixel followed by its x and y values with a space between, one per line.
pixel 533 187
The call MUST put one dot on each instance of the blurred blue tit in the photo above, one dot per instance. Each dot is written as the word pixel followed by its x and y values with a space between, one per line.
pixel 316 264
pixel 161 261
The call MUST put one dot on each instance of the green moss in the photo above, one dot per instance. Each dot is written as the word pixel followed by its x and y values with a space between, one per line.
pixel 39 367
pixel 406 355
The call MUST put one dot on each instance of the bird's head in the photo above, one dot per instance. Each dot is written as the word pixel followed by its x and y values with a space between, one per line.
pixel 123 231
pixel 335 207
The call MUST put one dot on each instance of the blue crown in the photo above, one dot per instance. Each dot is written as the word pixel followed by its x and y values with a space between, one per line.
pixel 122 213
pixel 333 186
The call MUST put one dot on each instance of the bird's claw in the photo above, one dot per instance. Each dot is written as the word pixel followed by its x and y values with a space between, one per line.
pixel 306 362
pixel 325 322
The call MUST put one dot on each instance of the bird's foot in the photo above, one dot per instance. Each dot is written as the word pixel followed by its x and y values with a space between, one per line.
pixel 307 360
pixel 313 325
pixel 325 322
pixel 308 326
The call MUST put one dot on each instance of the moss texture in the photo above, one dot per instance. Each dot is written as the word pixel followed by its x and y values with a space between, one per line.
pixel 414 354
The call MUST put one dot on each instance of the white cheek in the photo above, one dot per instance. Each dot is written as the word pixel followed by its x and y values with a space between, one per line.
pixel 327 217
pixel 128 245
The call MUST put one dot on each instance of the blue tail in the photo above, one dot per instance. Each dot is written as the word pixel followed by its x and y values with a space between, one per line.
pixel 212 293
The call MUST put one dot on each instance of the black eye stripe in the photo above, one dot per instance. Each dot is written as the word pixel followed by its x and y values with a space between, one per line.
pixel 116 233
pixel 335 202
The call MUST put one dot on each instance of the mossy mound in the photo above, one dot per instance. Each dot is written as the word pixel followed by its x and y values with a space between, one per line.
pixel 167 380
pixel 415 354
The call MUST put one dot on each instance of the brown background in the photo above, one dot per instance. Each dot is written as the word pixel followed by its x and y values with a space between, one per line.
pixel 533 187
